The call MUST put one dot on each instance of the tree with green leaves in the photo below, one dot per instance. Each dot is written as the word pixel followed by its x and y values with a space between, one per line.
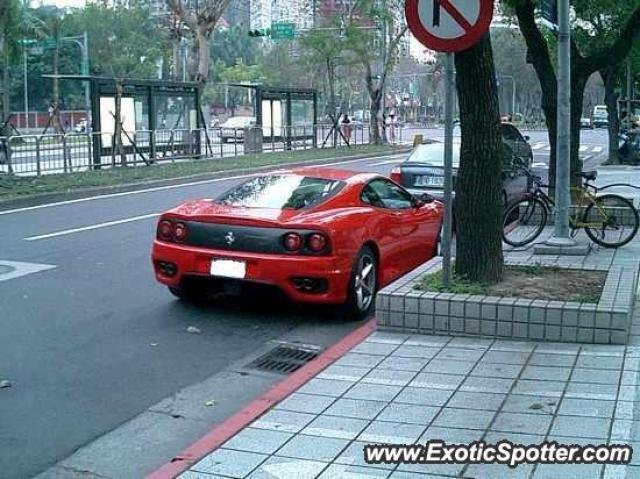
pixel 10 15
pixel 200 19
pixel 591 51
pixel 375 48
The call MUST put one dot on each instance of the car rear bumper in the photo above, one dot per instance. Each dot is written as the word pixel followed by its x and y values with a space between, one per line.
pixel 269 269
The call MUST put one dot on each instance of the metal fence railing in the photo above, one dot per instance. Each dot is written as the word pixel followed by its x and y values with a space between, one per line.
pixel 27 155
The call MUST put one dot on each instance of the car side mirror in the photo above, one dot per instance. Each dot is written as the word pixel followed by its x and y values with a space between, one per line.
pixel 527 138
pixel 423 199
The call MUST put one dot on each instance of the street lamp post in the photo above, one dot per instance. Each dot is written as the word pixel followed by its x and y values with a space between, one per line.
pixel 26 85
pixel 83 42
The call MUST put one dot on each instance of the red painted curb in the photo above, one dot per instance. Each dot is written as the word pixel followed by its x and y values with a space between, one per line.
pixel 256 408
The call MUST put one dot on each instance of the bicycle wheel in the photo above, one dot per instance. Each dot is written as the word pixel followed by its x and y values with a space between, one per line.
pixel 611 221
pixel 524 221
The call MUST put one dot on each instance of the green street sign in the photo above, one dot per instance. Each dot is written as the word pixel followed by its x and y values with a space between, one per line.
pixel 282 31
pixel 49 43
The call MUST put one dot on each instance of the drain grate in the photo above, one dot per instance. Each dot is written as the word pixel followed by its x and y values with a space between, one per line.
pixel 284 359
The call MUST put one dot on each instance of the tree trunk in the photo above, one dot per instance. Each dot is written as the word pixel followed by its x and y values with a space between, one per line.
pixel 204 56
pixel 6 107
pixel 331 78
pixel 479 254
pixel 609 77
pixel 57 127
pixel 117 131
pixel 375 138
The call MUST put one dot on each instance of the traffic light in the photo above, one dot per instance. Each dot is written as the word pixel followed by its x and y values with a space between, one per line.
pixel 260 32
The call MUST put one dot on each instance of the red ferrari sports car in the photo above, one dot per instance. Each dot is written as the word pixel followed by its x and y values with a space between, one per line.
pixel 320 235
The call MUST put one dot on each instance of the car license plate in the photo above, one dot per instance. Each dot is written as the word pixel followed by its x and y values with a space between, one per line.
pixel 228 268
pixel 429 181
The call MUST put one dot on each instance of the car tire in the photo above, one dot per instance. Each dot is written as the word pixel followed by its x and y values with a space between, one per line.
pixel 361 296
pixel 192 292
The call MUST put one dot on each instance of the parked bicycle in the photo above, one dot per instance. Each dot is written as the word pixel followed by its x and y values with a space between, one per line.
pixel 609 220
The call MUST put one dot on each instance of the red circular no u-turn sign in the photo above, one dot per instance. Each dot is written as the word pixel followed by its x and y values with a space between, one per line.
pixel 448 25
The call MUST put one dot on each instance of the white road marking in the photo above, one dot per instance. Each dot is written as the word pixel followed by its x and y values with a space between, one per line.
pixel 16 269
pixel 540 165
pixel 91 227
pixel 598 149
pixel 386 162
pixel 538 146
pixel 180 185
pixel 584 148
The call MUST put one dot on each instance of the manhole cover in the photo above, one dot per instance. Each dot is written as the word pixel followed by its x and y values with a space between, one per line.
pixel 285 359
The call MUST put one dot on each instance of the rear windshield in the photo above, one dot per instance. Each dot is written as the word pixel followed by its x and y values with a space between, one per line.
pixel 280 192
pixel 433 154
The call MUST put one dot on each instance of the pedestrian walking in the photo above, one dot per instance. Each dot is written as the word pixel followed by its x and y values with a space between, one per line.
pixel 346 129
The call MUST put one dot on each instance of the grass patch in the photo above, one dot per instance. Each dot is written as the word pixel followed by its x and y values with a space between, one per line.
pixel 549 283
pixel 21 186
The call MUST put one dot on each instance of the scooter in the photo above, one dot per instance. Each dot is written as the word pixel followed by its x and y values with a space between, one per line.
pixel 629 147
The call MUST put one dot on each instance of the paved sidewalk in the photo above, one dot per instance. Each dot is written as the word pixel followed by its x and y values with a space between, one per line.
pixel 397 388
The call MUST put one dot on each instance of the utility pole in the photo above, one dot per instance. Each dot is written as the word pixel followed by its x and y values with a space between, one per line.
pixel 561 237
pixel 629 93
pixel 26 85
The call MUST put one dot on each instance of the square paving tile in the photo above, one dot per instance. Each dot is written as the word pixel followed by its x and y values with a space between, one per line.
pixel 599 362
pixel 487 385
pixel 415 475
pixel 323 449
pixel 539 388
pixel 546 373
pixel 451 435
pixel 471 343
pixel 482 401
pixel 338 427
pixel 356 408
pixel 521 423
pixel 353 455
pixel 497 471
pixel 427 340
pixel 429 470
pixel 437 381
pixel 464 418
pixel 389 377
pixel 198 475
pixel 459 354
pixel 587 407
pixel 449 366
pixel 326 387
pixel 229 463
pixel 341 471
pixel 494 370
pixel 424 396
pixel 373 392
pixel 309 403
pixel 359 360
pixel 281 467
pixel 344 373
pixel 597 376
pixel 416 352
pixel 514 437
pixel 409 413
pixel 397 363
pixel 526 404
pixel 505 357
pixel 591 391
pixel 283 421
pixel 556 360
pixel 262 441
pixel 593 427
pixel 368 347
pixel 567 471
pixel 391 433
pixel 514 346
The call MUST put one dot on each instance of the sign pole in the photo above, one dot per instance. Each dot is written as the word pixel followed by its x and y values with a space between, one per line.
pixel 563 151
pixel 448 170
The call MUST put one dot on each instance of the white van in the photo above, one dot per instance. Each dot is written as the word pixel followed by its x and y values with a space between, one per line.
pixel 600 117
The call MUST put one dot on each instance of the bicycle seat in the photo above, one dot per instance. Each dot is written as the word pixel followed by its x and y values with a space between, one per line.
pixel 589 175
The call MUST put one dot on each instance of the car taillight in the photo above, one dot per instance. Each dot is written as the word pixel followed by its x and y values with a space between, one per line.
pixel 317 242
pixel 180 232
pixel 165 230
pixel 396 175
pixel 292 241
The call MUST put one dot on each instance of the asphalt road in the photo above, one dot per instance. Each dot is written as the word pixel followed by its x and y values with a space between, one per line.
pixel 93 341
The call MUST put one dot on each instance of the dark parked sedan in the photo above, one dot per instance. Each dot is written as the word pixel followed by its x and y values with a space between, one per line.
pixel 423 171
